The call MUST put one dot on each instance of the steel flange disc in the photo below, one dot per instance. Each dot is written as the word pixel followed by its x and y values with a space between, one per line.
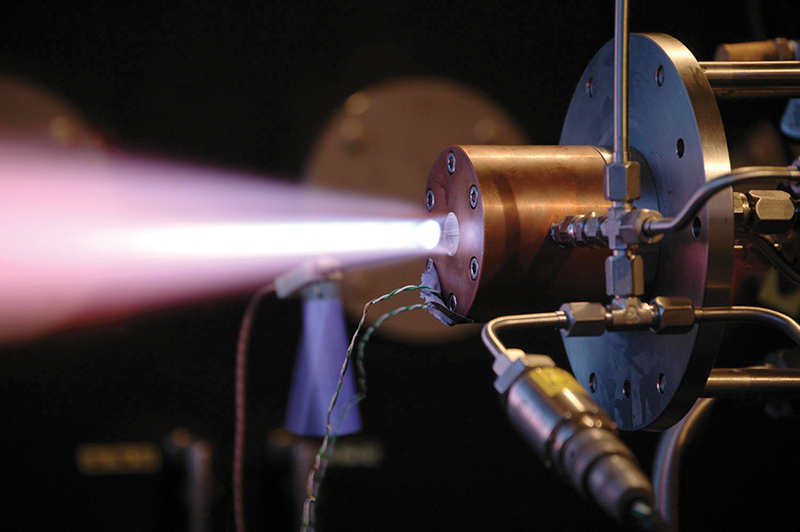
pixel 642 380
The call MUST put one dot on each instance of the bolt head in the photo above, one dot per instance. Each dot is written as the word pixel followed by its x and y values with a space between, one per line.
pixel 474 268
pixel 452 302
pixel 451 163
pixel 473 196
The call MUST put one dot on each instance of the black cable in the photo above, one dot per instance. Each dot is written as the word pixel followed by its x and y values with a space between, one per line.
pixel 766 248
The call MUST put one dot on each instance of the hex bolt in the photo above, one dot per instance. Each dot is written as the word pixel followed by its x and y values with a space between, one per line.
pixel 473 196
pixel 452 302
pixel 429 199
pixel 451 163
pixel 473 268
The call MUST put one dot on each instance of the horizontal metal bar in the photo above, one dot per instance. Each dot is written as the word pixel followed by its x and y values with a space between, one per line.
pixel 749 382
pixel 753 79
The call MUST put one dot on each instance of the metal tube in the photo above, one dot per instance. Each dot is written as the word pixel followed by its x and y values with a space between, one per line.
pixel 621 61
pixel 738 382
pixel 743 79
pixel 752 315
pixel 704 193
pixel 545 319
pixel 666 469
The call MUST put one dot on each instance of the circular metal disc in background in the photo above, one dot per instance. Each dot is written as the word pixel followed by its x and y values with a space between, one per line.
pixel 32 113
pixel 383 142
pixel 644 380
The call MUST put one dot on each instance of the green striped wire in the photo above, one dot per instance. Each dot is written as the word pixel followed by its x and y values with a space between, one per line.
pixel 362 374
pixel 329 439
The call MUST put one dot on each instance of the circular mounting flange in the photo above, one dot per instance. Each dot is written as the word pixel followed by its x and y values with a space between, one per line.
pixel 646 381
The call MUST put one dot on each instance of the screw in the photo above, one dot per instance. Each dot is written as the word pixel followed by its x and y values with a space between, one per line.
pixel 660 76
pixel 429 265
pixel 429 199
pixel 473 196
pixel 473 268
pixel 452 302
pixel 451 163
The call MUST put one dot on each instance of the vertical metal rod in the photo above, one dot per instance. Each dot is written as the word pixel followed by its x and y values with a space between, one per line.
pixel 621 61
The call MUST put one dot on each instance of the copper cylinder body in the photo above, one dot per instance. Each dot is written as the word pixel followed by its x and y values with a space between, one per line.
pixel 521 191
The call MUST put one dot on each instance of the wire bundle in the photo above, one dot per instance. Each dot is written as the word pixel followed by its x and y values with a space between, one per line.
pixel 326 449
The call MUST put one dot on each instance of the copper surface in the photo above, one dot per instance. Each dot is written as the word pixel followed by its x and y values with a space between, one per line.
pixel 522 191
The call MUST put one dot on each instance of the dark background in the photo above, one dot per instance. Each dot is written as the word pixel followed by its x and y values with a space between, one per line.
pixel 249 86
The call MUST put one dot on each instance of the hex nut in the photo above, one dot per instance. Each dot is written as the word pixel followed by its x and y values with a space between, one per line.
pixel 561 231
pixel 741 209
pixel 631 228
pixel 584 319
pixel 575 229
pixel 622 181
pixel 592 231
pixel 676 314
pixel 624 275
pixel 773 211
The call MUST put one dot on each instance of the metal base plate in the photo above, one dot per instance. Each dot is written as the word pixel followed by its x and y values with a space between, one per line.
pixel 642 380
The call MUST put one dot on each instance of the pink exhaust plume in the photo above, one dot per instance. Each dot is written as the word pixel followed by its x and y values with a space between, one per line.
pixel 89 236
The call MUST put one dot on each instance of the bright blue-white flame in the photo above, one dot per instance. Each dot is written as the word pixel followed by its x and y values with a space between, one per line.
pixel 289 239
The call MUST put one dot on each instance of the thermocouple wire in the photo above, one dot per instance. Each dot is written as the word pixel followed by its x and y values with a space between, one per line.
pixel 330 435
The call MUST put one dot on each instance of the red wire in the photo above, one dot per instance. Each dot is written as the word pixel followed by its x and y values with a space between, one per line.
pixel 241 402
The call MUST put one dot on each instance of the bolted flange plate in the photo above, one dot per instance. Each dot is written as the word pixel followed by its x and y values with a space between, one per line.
pixel 645 381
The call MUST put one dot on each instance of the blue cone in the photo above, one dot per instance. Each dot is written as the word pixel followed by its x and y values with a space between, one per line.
pixel 323 345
